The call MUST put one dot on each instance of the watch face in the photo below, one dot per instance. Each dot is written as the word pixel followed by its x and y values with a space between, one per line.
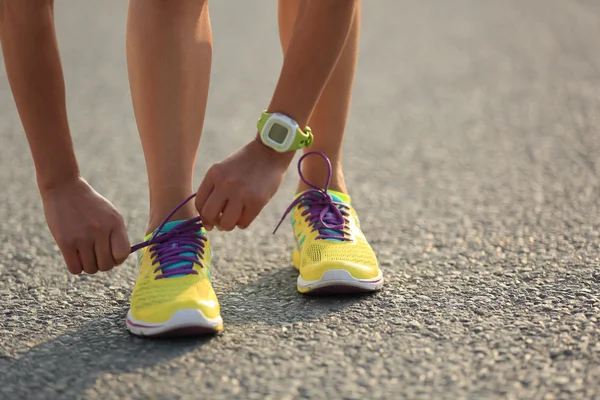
pixel 278 133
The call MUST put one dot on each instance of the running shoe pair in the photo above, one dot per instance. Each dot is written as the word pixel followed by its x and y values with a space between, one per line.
pixel 173 294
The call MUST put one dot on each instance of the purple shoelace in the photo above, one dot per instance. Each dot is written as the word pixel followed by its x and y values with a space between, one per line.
pixel 324 214
pixel 172 247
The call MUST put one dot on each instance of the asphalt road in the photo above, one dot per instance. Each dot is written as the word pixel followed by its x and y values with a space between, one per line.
pixel 473 158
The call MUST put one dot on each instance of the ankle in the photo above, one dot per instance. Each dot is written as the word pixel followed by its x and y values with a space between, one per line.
pixel 319 179
pixel 316 171
pixel 158 215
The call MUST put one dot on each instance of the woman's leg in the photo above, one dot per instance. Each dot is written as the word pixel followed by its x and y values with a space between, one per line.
pixel 328 120
pixel 169 54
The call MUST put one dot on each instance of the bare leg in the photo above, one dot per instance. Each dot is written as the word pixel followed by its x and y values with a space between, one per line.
pixel 169 55
pixel 328 120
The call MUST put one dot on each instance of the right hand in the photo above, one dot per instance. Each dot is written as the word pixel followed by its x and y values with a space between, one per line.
pixel 87 228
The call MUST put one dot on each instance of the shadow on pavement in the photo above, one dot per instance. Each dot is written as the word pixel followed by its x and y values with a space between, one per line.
pixel 66 366
pixel 71 363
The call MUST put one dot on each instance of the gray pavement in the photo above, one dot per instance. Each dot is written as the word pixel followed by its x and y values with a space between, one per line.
pixel 473 158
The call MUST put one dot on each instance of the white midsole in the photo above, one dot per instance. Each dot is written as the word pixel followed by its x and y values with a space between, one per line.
pixel 186 318
pixel 341 277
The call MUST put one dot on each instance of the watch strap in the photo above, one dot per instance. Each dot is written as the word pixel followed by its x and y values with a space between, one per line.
pixel 302 138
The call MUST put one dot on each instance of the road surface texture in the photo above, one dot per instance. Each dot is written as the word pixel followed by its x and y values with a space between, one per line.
pixel 472 156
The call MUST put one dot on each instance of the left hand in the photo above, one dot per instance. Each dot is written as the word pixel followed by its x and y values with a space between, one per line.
pixel 235 190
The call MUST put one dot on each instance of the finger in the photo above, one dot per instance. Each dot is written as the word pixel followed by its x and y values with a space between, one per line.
pixel 119 245
pixel 250 212
pixel 103 254
pixel 72 260
pixel 204 192
pixel 231 214
pixel 211 212
pixel 241 218
pixel 88 257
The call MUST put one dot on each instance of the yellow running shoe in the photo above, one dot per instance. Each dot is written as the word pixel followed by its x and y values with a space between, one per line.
pixel 173 294
pixel 331 253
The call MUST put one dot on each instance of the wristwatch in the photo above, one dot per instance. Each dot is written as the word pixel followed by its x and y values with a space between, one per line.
pixel 282 133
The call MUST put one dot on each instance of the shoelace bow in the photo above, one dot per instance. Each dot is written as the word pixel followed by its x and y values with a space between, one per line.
pixel 169 248
pixel 324 214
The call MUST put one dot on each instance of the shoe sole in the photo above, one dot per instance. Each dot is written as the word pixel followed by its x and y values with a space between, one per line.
pixel 186 322
pixel 339 281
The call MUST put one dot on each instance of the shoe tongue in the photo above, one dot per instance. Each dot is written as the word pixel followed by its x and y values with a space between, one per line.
pixel 167 227
pixel 336 198
pixel 170 225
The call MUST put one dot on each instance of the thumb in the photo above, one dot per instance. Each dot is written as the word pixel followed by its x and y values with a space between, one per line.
pixel 119 244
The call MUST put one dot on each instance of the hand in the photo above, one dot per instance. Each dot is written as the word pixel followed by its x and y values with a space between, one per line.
pixel 235 190
pixel 88 229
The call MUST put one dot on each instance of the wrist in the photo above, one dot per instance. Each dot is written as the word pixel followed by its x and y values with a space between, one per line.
pixel 53 178
pixel 299 114
pixel 282 134
pixel 284 159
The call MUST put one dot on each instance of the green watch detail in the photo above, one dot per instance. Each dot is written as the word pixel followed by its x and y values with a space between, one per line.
pixel 303 138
